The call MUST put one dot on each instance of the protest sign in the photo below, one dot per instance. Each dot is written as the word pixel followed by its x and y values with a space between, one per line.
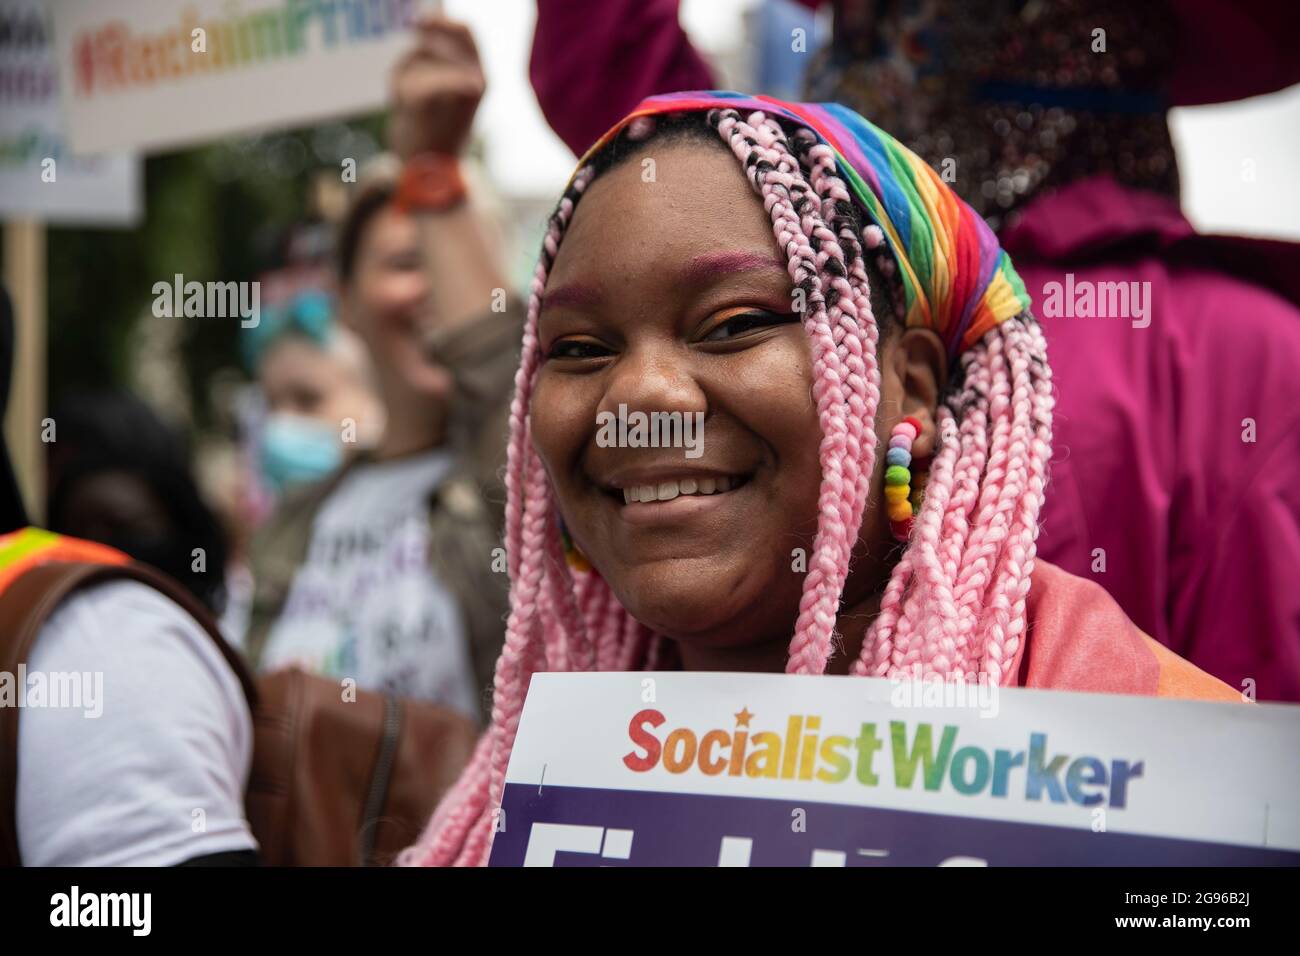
pixel 40 178
pixel 151 74
pixel 766 769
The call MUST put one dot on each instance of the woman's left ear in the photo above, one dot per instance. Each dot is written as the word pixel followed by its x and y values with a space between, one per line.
pixel 918 363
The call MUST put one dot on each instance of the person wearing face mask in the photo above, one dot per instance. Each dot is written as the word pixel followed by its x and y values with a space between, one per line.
pixel 134 728
pixel 386 571
pixel 317 389
pixel 165 725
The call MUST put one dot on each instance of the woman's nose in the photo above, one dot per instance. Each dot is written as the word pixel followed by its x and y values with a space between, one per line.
pixel 654 377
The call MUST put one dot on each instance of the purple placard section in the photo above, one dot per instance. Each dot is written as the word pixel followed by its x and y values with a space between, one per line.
pixel 637 828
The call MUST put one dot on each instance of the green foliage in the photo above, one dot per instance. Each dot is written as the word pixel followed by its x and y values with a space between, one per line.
pixel 211 214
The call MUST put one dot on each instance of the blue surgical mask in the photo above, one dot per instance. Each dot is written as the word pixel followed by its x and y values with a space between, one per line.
pixel 296 449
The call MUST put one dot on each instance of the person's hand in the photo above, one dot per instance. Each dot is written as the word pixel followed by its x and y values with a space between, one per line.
pixel 436 90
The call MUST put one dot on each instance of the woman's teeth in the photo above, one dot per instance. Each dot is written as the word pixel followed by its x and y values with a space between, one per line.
pixel 668 490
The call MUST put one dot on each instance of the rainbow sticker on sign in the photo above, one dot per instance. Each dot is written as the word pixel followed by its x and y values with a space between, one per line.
pixel 753 770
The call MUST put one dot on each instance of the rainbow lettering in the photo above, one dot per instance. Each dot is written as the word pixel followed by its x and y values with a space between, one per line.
pixel 922 754
pixel 112 57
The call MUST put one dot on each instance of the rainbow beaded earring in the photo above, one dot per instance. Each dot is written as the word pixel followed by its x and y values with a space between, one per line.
pixel 901 502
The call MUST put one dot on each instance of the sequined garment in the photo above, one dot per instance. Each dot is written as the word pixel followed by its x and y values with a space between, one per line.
pixel 1006 98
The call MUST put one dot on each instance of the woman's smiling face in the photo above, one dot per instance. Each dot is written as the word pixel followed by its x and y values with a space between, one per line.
pixel 673 296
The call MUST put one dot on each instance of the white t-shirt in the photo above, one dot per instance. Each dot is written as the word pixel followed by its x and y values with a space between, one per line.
pixel 158 777
pixel 365 604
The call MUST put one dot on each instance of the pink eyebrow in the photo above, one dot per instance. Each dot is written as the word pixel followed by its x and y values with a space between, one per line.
pixel 709 264
pixel 699 269
pixel 578 296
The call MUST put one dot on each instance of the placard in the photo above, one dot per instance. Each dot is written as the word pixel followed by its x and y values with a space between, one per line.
pixel 153 74
pixel 40 178
pixel 772 769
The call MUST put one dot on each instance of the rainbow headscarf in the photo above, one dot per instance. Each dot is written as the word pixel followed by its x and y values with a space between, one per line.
pixel 956 279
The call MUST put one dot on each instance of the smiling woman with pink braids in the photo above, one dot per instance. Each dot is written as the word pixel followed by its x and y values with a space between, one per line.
pixel 878 411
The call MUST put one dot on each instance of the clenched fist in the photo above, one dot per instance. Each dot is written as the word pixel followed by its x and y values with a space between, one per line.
pixel 436 90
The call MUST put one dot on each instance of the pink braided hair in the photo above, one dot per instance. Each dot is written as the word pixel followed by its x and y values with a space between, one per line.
pixel 955 602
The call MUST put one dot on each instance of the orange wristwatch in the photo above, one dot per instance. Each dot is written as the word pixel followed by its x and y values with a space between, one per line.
pixel 430 182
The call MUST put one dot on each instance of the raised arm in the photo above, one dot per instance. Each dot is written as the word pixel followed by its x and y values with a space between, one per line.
pixel 593 62
pixel 437 87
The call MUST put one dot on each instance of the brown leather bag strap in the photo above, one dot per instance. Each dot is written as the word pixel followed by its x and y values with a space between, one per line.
pixel 25 605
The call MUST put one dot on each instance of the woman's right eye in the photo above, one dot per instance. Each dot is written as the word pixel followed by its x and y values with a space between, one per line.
pixel 577 349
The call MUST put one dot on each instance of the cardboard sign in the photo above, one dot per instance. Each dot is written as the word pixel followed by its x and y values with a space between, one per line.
pixel 150 74
pixel 771 769
pixel 40 178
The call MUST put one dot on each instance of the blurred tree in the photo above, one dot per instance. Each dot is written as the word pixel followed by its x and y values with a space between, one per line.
pixel 211 214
